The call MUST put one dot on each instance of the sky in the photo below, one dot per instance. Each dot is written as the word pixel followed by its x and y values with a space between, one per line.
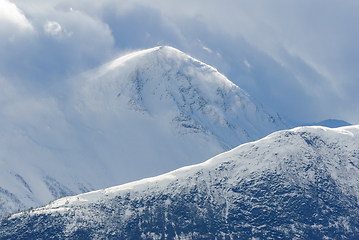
pixel 300 58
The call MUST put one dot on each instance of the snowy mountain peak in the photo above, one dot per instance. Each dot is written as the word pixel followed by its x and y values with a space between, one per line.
pixel 196 97
pixel 141 115
pixel 167 54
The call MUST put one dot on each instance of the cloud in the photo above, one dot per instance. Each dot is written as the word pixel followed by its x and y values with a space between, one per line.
pixel 14 26
pixel 247 64
pixel 315 42
pixel 62 44
pixel 11 14
pixel 302 55
pixel 52 27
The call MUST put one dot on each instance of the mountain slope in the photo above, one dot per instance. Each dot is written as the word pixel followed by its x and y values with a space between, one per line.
pixel 138 116
pixel 294 184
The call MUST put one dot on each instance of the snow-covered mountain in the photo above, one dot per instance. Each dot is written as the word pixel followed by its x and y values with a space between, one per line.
pixel 138 116
pixel 293 184
pixel 331 123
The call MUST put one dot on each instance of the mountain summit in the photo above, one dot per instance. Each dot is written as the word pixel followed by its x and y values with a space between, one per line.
pixel 138 116
pixel 293 184
pixel 172 87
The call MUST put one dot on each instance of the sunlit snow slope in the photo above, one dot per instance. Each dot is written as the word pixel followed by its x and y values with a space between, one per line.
pixel 141 115
pixel 293 184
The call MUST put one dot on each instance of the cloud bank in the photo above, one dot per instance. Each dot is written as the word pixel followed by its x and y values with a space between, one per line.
pixel 299 57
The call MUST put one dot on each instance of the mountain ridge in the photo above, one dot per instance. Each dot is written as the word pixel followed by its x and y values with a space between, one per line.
pixel 293 184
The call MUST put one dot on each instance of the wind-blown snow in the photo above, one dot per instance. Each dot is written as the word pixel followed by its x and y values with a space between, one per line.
pixel 138 116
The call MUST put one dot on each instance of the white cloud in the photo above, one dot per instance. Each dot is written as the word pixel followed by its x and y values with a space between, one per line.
pixel 247 64
pixel 14 26
pixel 11 14
pixel 77 42
pixel 207 49
pixel 52 27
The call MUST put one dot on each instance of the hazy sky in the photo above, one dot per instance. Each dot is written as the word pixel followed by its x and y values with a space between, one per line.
pixel 298 57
